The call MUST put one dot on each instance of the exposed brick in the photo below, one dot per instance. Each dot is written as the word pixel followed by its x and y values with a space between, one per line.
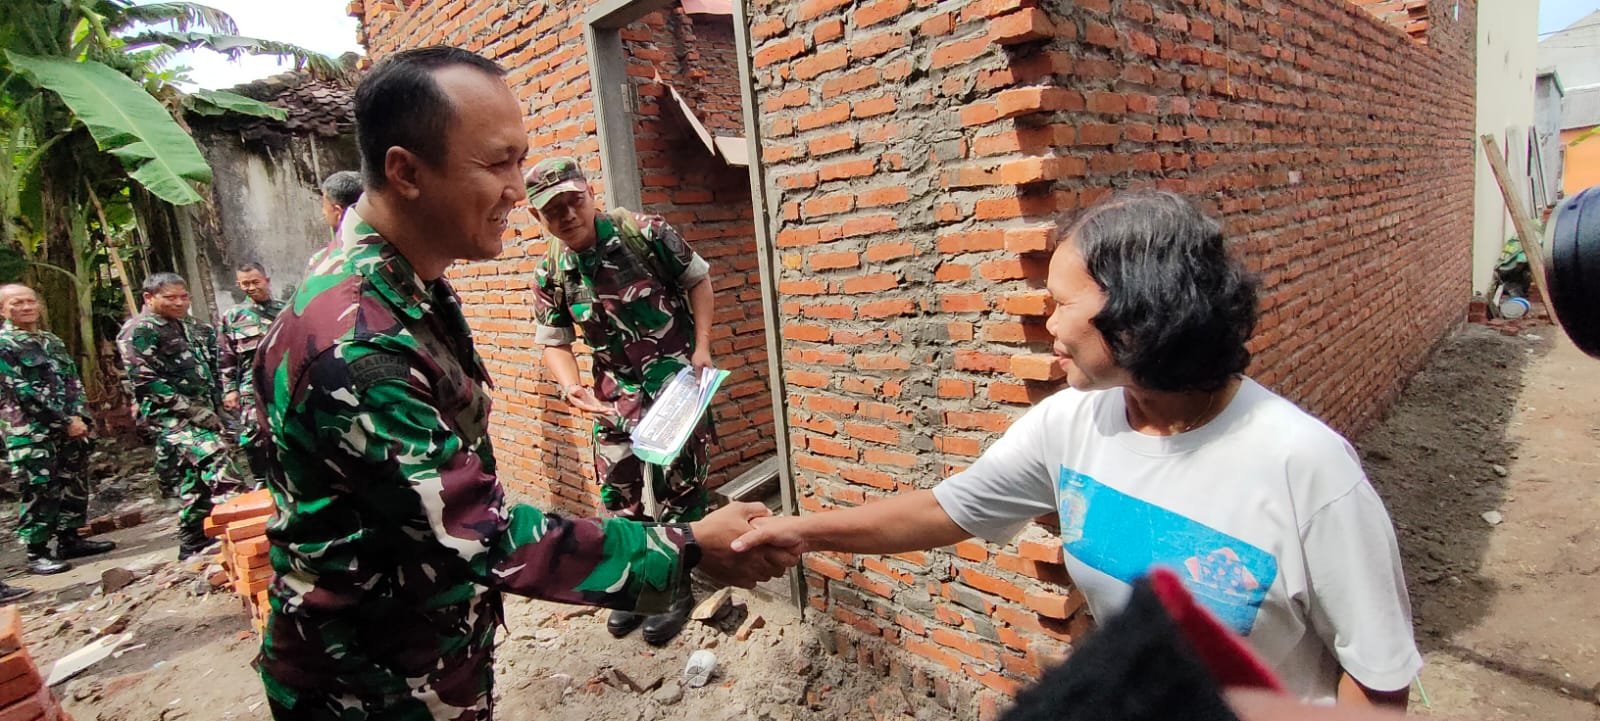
pixel 1022 26
pixel 1036 367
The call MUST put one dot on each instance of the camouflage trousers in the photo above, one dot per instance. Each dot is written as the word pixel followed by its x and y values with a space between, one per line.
pixel 253 439
pixel 680 491
pixel 167 469
pixel 196 459
pixel 53 478
pixel 328 707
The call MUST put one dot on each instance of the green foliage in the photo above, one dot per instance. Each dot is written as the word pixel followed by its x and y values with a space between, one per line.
pixel 12 264
pixel 126 121
pixel 222 102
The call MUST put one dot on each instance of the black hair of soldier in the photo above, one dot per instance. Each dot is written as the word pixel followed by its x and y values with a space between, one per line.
pixel 399 104
pixel 1179 307
pixel 156 282
pixel 342 188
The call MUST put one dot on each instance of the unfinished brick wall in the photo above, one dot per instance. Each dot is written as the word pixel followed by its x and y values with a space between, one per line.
pixel 1410 16
pixel 916 151
pixel 709 202
pixel 541 445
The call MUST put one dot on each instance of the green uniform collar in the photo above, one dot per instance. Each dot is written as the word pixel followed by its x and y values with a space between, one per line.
pixel 377 260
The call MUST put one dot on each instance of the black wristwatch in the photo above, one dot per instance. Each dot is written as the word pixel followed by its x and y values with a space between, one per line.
pixel 691 548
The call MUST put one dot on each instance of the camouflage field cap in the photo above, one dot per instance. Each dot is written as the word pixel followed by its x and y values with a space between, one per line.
pixel 552 177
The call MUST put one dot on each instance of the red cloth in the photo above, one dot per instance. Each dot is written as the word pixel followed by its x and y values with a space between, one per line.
pixel 1222 652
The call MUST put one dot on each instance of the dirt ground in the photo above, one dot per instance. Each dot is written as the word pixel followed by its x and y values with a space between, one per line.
pixel 1505 604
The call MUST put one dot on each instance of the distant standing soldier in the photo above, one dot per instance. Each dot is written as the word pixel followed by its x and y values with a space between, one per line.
pixel 172 362
pixel 166 465
pixel 47 435
pixel 340 192
pixel 239 334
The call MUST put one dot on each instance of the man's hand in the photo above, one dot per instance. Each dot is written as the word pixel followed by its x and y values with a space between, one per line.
pixel 701 359
pixel 779 532
pixel 581 398
pixel 76 428
pixel 231 401
pixel 716 533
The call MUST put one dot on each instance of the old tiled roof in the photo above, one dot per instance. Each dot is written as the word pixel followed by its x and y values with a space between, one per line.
pixel 319 107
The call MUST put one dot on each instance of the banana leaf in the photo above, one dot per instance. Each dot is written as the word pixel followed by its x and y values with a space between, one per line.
pixel 222 102
pixel 125 122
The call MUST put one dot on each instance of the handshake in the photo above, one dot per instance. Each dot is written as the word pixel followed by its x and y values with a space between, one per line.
pixel 744 544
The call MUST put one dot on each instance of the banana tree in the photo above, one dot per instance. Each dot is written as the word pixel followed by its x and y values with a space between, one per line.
pixel 89 112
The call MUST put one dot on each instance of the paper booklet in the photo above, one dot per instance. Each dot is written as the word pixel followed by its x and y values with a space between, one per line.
pixel 660 435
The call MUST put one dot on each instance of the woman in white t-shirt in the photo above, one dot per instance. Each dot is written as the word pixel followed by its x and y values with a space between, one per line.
pixel 1163 453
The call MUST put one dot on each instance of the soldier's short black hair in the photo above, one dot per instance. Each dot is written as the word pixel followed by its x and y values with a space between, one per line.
pixel 156 282
pixel 1179 307
pixel 251 266
pixel 400 104
pixel 342 188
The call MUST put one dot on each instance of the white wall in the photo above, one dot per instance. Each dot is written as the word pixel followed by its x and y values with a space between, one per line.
pixel 1508 44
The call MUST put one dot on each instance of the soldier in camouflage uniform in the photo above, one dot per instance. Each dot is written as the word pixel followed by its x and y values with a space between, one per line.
pixel 644 301
pixel 167 469
pixel 340 191
pixel 393 541
pixel 239 334
pixel 46 435
pixel 172 363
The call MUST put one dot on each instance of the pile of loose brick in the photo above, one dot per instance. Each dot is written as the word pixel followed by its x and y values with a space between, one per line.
pixel 241 524
pixel 23 694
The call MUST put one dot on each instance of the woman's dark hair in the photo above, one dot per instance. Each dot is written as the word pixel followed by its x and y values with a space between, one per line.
pixel 400 104
pixel 342 188
pixel 1179 308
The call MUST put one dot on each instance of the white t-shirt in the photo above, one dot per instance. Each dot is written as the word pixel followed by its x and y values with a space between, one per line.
pixel 1264 512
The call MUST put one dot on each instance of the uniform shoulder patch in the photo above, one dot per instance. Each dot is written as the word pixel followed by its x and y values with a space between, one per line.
pixel 374 368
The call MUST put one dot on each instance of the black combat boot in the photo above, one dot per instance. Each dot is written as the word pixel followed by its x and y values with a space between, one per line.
pixel 622 623
pixel 9 593
pixel 661 628
pixel 42 562
pixel 192 541
pixel 71 545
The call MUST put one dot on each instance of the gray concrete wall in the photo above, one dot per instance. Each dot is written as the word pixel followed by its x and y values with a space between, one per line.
pixel 266 208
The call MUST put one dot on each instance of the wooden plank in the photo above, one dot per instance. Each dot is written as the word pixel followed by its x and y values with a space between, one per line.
pixel 1527 232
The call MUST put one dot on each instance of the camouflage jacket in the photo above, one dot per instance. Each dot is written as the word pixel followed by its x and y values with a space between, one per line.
pixel 641 329
pixel 172 366
pixel 40 391
pixel 240 332
pixel 393 539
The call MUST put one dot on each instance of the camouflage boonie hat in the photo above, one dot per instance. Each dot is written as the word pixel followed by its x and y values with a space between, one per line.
pixel 552 177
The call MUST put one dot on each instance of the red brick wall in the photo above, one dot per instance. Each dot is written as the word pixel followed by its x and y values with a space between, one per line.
pixel 916 151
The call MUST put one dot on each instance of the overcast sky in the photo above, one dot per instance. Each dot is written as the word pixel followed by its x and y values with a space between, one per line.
pixel 1557 14
pixel 320 25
